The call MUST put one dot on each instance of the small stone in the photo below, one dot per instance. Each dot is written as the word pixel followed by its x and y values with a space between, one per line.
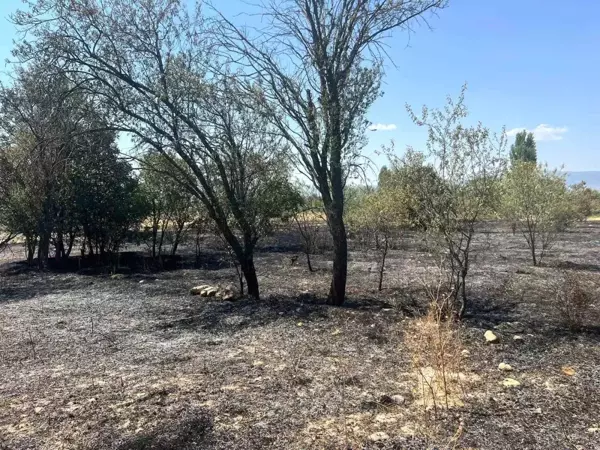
pixel 228 296
pixel 379 436
pixel 142 281
pixel 398 399
pixel 258 363
pixel 465 353
pixel 517 337
pixel 490 337
pixel 593 430
pixel 569 371
pixel 537 411
pixel 505 367
pixel 38 409
pixel 510 382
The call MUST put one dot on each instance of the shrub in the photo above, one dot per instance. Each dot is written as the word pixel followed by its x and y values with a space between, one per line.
pixel 573 299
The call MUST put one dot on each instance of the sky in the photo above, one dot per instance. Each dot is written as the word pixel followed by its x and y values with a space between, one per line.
pixel 529 64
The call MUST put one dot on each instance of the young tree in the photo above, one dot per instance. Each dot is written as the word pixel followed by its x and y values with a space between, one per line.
pixel 309 219
pixel 537 201
pixel 382 214
pixel 459 192
pixel 314 71
pixel 150 63
pixel 524 148
pixel 171 207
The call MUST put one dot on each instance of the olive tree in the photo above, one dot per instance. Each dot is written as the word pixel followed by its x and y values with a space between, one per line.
pixel 536 199
pixel 314 71
pixel 150 63
pixel 460 191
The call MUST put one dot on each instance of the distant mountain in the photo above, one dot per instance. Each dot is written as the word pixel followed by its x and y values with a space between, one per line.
pixel 591 178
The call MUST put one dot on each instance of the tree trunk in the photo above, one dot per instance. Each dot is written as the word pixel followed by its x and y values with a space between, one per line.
pixel 382 267
pixel 31 243
pixel 310 268
pixel 44 250
pixel 178 231
pixel 247 266
pixel 337 291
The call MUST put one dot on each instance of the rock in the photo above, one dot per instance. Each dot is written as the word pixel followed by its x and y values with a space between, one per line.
pixel 392 400
pixel 537 411
pixel 465 353
pixel 510 382
pixel 209 292
pixel 398 399
pixel 505 367
pixel 518 338
pixel 228 296
pixel 490 337
pixel 593 430
pixel 379 436
pixel 569 371
pixel 142 281
pixel 196 290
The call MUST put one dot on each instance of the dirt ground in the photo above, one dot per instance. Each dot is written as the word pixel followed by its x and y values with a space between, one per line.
pixel 93 362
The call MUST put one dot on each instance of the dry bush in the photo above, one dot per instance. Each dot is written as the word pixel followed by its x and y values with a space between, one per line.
pixel 573 299
pixel 435 346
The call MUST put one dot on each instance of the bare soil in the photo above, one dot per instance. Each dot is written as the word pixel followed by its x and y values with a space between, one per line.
pixel 94 362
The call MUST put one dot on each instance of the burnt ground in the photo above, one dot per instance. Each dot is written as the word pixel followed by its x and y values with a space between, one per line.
pixel 93 362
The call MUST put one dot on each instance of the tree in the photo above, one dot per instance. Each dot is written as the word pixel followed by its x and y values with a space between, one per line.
pixel 585 200
pixel 382 214
pixel 107 201
pixel 171 207
pixel 524 148
pixel 150 63
pixel 537 201
pixel 309 219
pixel 43 118
pixel 459 192
pixel 314 71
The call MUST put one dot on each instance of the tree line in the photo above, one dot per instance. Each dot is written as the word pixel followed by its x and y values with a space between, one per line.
pixel 222 120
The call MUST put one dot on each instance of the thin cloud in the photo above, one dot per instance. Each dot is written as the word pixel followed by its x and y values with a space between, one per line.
pixel 383 127
pixel 543 132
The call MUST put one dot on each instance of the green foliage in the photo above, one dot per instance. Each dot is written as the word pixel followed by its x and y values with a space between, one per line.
pixel 537 201
pixel 585 201
pixel 455 184
pixel 171 207
pixel 524 149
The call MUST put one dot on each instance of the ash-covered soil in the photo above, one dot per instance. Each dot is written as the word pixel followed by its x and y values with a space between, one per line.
pixel 93 362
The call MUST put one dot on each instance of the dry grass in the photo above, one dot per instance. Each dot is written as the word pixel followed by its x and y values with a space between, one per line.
pixel 101 363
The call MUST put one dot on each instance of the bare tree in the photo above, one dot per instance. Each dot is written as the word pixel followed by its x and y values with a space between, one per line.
pixel 315 69
pixel 148 62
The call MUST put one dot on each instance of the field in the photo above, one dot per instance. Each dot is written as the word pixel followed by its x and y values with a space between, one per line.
pixel 135 362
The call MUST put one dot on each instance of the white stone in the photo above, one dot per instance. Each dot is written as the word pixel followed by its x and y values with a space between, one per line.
pixel 490 337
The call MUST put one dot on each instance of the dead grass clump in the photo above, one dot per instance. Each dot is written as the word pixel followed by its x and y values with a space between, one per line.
pixel 573 299
pixel 435 346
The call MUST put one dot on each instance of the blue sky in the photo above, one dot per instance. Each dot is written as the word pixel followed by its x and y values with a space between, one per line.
pixel 529 64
